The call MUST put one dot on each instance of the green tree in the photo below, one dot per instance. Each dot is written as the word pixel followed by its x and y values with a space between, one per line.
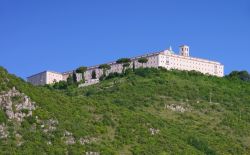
pixel 133 66
pixel 242 75
pixel 125 63
pixel 70 80
pixel 142 60
pixel 74 76
pixel 104 68
pixel 93 74
pixel 60 85
pixel 81 70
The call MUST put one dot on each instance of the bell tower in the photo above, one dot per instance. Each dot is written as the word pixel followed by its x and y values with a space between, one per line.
pixel 184 50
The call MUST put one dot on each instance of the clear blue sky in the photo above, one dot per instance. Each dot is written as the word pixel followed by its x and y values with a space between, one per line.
pixel 61 35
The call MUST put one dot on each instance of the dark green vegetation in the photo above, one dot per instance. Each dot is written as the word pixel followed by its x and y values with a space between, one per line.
pixel 125 63
pixel 120 111
pixel 143 60
pixel 242 75
pixel 81 70
pixel 104 68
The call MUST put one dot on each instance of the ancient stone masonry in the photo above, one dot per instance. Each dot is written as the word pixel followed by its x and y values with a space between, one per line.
pixel 16 105
pixel 167 59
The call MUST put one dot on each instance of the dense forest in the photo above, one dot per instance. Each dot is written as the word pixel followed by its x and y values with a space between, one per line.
pixel 142 111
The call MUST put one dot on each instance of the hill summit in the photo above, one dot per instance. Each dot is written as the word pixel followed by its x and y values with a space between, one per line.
pixel 148 111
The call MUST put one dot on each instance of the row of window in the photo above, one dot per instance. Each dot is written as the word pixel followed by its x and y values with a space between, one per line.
pixel 191 62
pixel 199 69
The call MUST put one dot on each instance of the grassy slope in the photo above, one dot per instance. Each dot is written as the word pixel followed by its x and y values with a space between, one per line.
pixel 120 111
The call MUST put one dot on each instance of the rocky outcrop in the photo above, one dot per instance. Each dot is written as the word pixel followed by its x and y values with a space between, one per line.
pixel 49 126
pixel 87 140
pixel 68 138
pixel 92 153
pixel 154 131
pixel 19 139
pixel 3 131
pixel 176 108
pixel 16 105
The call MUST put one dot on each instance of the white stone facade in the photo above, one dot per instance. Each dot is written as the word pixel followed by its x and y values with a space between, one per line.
pixel 169 60
pixel 166 59
pixel 46 77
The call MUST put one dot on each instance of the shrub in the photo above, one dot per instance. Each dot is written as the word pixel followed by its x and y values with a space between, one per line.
pixel 93 74
pixel 145 72
pixel 26 111
pixel 200 145
pixel 102 77
pixel 3 117
pixel 16 99
pixel 31 119
pixel 242 75
pixel 113 75
pixel 60 85
pixel 128 71
pixel 90 92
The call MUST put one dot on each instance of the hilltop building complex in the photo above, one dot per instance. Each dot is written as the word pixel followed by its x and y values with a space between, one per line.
pixel 166 59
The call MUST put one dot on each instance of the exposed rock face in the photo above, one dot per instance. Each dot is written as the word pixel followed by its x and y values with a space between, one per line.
pixel 154 131
pixel 176 108
pixel 49 125
pixel 19 139
pixel 68 138
pixel 92 153
pixel 87 140
pixel 16 105
pixel 3 131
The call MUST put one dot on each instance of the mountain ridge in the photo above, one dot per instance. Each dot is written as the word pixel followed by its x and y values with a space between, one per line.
pixel 149 111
